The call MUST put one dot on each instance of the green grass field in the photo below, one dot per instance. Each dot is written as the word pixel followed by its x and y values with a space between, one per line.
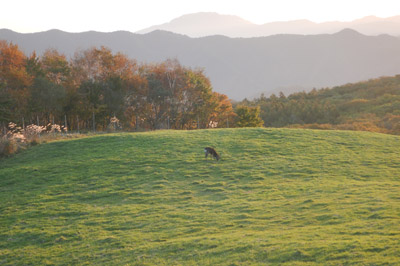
pixel 277 197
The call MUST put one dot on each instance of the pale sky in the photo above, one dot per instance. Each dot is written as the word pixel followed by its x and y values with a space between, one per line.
pixel 133 15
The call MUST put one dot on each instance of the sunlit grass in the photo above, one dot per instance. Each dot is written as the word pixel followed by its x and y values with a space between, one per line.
pixel 278 196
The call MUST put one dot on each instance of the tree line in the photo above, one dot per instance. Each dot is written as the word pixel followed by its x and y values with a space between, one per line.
pixel 97 89
pixel 96 86
pixel 372 105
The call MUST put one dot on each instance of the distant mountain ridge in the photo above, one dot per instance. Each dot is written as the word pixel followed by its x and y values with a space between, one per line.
pixel 208 23
pixel 242 67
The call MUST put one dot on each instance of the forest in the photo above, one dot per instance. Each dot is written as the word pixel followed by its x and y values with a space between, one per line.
pixel 97 89
pixel 372 105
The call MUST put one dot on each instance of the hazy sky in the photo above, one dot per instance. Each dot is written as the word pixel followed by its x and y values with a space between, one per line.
pixel 134 15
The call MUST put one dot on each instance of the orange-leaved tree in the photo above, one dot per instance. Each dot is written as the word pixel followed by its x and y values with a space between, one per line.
pixel 14 79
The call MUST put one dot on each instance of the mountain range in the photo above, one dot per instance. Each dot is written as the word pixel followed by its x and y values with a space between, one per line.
pixel 207 24
pixel 242 67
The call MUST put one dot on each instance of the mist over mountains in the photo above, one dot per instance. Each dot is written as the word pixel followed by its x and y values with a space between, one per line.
pixel 208 23
pixel 242 67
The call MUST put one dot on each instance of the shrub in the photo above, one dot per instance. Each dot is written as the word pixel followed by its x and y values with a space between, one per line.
pixel 7 147
pixel 17 138
pixel 114 124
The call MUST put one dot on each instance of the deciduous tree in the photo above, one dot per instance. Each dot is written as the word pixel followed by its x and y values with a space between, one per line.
pixel 248 116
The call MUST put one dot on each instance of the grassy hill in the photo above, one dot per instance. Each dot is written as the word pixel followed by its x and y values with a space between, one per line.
pixel 278 196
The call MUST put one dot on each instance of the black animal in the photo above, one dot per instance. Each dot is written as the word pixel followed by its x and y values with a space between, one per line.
pixel 213 153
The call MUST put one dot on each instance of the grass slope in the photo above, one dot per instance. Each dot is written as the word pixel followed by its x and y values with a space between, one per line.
pixel 279 197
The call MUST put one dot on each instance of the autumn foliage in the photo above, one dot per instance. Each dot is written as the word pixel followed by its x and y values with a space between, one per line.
pixel 86 91
pixel 96 86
